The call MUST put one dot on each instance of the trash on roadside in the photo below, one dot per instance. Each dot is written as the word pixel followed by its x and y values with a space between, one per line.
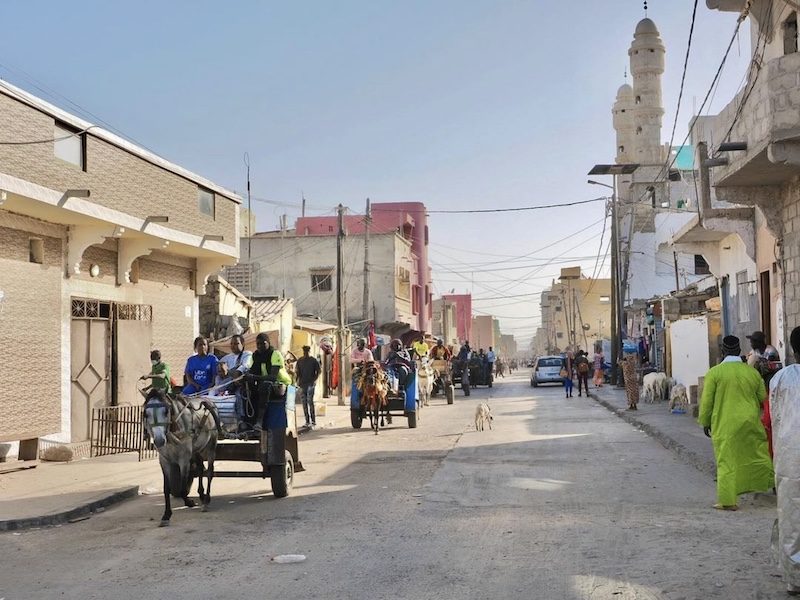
pixel 284 559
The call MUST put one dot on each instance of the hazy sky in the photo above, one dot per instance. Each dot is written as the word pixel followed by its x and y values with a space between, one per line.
pixel 454 103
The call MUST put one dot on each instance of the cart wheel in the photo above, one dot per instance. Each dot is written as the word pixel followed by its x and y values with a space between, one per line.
pixel 282 477
pixel 465 387
pixel 450 392
pixel 412 420
pixel 355 418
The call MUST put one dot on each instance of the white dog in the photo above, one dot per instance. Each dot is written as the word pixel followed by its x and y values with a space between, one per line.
pixel 678 398
pixel 483 415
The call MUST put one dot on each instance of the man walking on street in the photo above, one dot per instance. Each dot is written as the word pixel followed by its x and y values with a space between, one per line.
pixel 582 370
pixel 491 358
pixel 729 414
pixel 784 408
pixel 308 371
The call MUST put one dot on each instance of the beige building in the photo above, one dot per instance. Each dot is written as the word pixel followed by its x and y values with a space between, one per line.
pixel 104 250
pixel 576 311
pixel 443 324
pixel 483 332
pixel 304 268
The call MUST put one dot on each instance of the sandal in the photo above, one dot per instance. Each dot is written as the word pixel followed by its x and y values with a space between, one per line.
pixel 730 507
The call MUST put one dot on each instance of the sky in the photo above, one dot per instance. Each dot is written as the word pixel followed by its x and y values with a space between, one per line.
pixel 459 104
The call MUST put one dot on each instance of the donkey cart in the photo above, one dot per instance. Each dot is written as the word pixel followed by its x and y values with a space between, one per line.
pixel 443 383
pixel 402 403
pixel 274 447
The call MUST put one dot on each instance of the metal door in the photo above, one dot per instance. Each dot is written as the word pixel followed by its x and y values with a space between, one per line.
pixel 90 352
pixel 133 336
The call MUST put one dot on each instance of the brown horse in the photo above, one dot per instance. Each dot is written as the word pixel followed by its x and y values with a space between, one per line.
pixel 373 385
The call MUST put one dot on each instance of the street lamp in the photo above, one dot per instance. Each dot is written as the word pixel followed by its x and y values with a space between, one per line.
pixel 616 296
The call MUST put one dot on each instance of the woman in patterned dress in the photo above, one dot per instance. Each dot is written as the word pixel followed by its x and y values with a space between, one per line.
pixel 628 363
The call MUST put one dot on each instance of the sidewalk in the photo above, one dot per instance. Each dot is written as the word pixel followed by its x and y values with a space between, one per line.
pixel 679 433
pixel 54 493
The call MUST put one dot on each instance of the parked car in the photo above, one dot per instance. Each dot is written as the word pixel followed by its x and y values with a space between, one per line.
pixel 547 369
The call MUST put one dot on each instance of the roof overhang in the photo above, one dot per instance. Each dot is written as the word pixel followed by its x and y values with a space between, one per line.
pixel 693 232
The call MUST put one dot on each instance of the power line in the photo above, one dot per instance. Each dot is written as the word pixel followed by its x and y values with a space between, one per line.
pixel 683 76
pixel 518 209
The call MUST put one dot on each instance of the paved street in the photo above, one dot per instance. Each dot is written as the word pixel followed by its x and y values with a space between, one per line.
pixel 561 500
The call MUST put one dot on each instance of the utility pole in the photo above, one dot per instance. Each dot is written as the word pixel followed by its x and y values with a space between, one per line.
pixel 340 304
pixel 675 260
pixel 615 338
pixel 283 242
pixel 367 221
pixel 249 232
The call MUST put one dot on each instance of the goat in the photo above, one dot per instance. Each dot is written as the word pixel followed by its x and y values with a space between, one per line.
pixel 678 401
pixel 653 387
pixel 483 415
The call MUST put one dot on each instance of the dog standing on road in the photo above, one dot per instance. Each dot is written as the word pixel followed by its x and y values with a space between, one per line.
pixel 483 416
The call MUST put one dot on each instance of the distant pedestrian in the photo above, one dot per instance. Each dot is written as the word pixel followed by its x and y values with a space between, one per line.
pixel 599 359
pixel 582 371
pixel 628 363
pixel 308 370
pixel 566 376
pixel 729 414
pixel 784 407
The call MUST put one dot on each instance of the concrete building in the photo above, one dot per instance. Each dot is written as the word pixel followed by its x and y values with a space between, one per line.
pixel 764 121
pixel 576 311
pixel 507 346
pixel 104 250
pixel 463 304
pixel 444 321
pixel 410 220
pixel 483 330
pixel 303 267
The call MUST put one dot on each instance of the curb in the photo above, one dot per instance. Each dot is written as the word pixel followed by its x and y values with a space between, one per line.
pixel 85 510
pixel 699 462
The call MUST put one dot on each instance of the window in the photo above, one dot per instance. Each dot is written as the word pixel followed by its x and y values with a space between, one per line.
pixel 638 99
pixel 638 130
pixel 205 201
pixel 742 296
pixel 36 248
pixel 558 309
pixel 69 145
pixel 700 265
pixel 559 335
pixel 790 34
pixel 322 281
pixel 622 148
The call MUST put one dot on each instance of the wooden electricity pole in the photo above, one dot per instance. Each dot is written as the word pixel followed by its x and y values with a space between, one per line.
pixel 340 305
pixel 365 307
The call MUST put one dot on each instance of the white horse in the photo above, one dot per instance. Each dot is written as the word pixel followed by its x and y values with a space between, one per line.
pixel 426 375
pixel 185 433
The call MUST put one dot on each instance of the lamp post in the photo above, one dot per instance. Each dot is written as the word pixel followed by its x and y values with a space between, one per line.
pixel 617 287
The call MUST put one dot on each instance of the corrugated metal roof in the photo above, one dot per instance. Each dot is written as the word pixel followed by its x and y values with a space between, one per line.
pixel 269 307
pixel 313 325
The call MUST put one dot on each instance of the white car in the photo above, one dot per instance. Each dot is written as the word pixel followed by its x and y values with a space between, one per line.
pixel 547 369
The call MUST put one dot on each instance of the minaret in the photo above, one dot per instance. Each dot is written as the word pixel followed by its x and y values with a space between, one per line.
pixel 624 125
pixel 647 65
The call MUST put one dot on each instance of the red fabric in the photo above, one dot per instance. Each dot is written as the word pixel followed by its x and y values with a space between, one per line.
pixel 372 341
pixel 335 373
pixel 766 419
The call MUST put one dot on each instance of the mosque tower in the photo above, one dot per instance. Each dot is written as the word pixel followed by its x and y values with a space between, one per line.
pixel 624 125
pixel 647 65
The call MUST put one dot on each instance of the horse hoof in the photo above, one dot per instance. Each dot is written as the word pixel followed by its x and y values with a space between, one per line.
pixel 164 523
pixel 205 508
pixel 190 503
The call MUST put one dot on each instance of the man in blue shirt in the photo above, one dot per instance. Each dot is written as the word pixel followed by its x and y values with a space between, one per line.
pixel 201 368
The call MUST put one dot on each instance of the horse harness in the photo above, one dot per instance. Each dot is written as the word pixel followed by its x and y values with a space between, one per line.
pixel 173 426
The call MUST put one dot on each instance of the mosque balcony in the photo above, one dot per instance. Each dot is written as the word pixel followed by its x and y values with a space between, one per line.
pixel 769 123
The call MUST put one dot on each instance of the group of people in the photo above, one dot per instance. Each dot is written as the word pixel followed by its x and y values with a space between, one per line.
pixel 249 376
pixel 488 361
pixel 576 365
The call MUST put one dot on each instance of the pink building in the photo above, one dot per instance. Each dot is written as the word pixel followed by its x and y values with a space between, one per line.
pixel 463 304
pixel 411 220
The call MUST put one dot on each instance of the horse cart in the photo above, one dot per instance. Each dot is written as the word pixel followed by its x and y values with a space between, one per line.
pixel 443 382
pixel 400 403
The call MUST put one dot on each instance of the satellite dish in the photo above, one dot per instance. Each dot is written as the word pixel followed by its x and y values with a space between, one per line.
pixel 586 327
